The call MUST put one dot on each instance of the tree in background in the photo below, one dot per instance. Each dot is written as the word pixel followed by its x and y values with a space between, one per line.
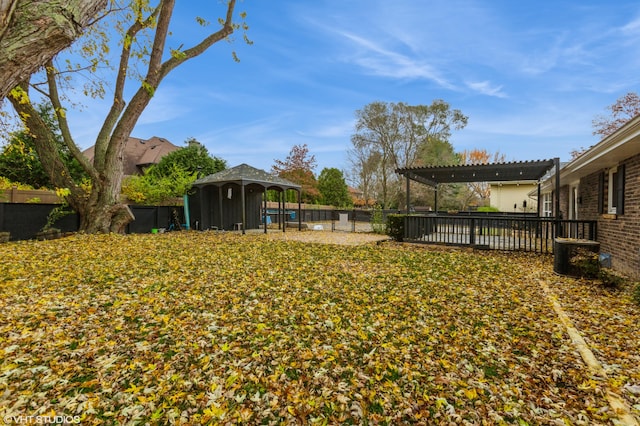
pixel 173 176
pixel 333 188
pixel 482 190
pixel 438 152
pixel 145 59
pixel 193 159
pixel 298 168
pixel 152 189
pixel 33 32
pixel 399 136
pixel 365 162
pixel 19 161
pixel 623 110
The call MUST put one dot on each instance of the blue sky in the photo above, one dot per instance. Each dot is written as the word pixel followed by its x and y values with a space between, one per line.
pixel 531 76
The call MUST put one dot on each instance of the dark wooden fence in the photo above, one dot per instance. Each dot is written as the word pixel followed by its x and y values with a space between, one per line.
pixel 496 232
pixel 24 220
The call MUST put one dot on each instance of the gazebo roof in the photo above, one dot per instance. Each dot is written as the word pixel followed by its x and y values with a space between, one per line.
pixel 244 175
pixel 497 172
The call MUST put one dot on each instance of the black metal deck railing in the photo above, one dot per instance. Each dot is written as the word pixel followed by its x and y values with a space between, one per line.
pixel 498 233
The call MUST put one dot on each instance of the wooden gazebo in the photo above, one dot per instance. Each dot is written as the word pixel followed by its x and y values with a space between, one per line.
pixel 235 198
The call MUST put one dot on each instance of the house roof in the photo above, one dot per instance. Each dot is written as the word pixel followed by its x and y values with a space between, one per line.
pixel 609 152
pixel 245 174
pixel 140 153
pixel 496 172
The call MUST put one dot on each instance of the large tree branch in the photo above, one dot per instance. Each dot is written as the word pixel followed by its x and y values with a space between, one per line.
pixel 157 72
pixel 45 147
pixel 224 32
pixel 118 105
pixel 33 31
pixel 54 97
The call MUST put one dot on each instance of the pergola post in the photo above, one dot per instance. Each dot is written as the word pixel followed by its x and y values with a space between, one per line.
pixel 408 194
pixel 556 162
pixel 435 198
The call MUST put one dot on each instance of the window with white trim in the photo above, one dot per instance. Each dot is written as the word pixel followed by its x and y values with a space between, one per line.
pixel 615 193
pixel 547 204
pixel 612 200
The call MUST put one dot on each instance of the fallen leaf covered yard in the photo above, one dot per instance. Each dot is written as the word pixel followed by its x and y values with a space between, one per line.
pixel 207 328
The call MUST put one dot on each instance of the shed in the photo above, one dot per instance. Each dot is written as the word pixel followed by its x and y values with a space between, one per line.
pixel 235 198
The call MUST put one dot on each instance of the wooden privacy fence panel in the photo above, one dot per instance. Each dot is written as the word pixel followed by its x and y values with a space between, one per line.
pixel 15 195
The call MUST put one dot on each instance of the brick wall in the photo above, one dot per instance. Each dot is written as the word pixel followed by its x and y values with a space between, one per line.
pixel 618 235
pixel 564 202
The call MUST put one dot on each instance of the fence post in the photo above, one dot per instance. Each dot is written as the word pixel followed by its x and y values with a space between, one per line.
pixel 353 222
pixel 472 231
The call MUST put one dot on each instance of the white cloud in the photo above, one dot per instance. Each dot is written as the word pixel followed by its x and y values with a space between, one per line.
pixel 486 88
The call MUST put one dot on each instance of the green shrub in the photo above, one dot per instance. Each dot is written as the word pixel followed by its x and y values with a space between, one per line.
pixel 395 226
pixel 488 209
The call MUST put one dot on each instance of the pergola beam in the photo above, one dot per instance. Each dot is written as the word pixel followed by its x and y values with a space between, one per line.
pixel 493 172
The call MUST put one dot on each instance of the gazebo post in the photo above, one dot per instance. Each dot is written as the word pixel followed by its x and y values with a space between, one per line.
pixel 264 215
pixel 220 206
pixel 201 195
pixel 299 210
pixel 244 211
pixel 281 207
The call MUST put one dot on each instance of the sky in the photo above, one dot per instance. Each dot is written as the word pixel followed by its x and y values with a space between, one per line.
pixel 530 76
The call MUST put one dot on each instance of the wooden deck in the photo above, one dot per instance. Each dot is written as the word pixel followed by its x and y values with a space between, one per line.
pixel 495 233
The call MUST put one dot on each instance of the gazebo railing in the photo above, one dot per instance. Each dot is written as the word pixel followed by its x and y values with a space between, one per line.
pixel 497 232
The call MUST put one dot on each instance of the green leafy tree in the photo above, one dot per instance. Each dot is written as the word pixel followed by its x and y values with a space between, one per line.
pixel 19 160
pixel 143 60
pixel 152 189
pixel 173 176
pixel 438 152
pixel 193 159
pixel 333 188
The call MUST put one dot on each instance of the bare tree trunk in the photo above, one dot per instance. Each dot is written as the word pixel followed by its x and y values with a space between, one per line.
pixel 33 31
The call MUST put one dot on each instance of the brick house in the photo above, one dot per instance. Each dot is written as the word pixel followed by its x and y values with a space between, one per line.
pixel 603 184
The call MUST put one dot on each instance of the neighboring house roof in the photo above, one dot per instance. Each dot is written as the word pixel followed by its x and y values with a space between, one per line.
pixel 243 175
pixel 141 153
pixel 609 152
